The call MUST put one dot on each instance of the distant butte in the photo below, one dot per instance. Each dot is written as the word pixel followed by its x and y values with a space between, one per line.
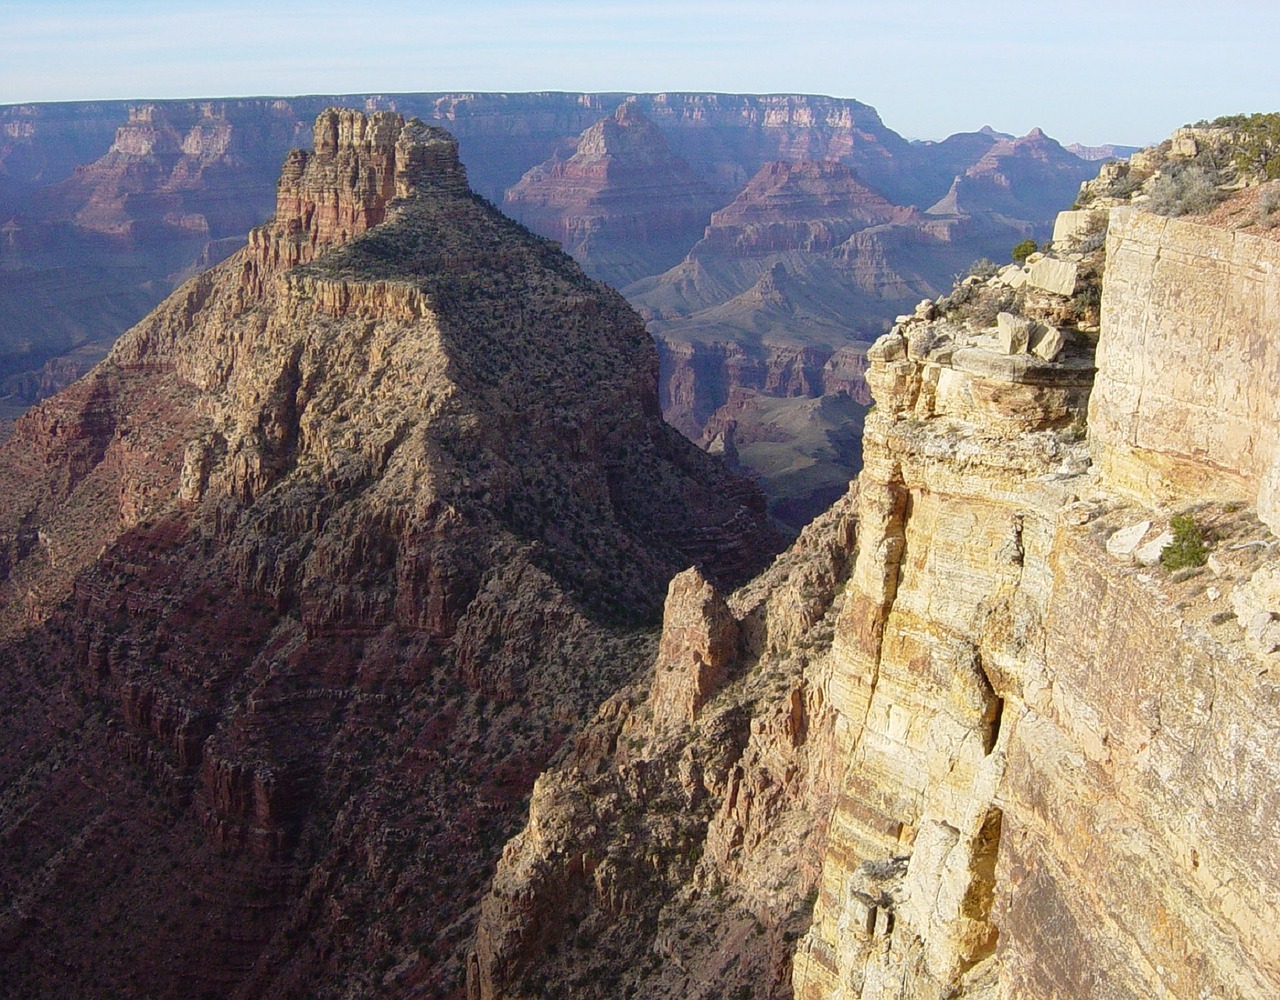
pixel 622 204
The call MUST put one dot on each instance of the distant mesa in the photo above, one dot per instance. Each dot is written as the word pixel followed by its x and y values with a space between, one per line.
pixel 1109 151
pixel 806 205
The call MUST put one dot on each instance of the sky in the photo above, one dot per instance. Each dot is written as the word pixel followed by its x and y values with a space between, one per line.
pixel 1092 71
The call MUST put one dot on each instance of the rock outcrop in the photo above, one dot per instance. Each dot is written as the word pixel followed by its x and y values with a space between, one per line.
pixel 1020 752
pixel 303 585
pixel 1187 410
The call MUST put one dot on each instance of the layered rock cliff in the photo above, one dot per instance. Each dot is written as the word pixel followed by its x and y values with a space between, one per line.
pixel 999 744
pixel 780 299
pixel 302 586
pixel 622 204
pixel 106 207
pixel 1029 178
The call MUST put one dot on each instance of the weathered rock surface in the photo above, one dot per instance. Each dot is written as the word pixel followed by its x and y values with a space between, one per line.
pixel 298 593
pixel 1185 407
pixel 1029 766
pixel 699 644
pixel 1056 276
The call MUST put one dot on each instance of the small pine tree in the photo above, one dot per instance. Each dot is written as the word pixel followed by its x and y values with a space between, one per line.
pixel 1187 547
pixel 1023 250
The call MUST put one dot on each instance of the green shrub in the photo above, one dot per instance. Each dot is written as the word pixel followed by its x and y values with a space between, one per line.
pixel 1087 302
pixel 1255 143
pixel 1023 250
pixel 1187 547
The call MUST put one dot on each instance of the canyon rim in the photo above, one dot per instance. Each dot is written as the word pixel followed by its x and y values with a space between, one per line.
pixel 330 597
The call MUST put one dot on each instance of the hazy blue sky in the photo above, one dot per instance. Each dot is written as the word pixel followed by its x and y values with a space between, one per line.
pixel 1086 70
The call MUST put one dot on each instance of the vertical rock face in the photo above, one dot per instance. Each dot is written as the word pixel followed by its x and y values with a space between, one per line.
pixel 319 567
pixel 921 649
pixel 1186 405
pixel 1015 757
pixel 1014 833
pixel 342 187
pixel 622 204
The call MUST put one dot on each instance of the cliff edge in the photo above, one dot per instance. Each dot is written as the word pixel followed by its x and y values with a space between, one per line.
pixel 1000 724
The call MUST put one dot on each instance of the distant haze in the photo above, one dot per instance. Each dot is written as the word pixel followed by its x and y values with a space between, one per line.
pixel 1091 71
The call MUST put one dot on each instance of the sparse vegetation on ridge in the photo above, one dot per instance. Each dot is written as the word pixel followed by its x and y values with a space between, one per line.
pixel 1185 189
pixel 1255 142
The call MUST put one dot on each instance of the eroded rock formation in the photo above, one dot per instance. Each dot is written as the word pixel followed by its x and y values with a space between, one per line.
pixel 622 204
pixel 303 585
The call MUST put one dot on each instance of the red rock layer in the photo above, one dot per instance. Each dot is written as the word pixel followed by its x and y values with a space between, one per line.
pixel 807 205
pixel 302 586
pixel 622 204
pixel 1028 178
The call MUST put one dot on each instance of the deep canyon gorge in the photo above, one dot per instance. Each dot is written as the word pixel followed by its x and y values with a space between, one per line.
pixel 368 632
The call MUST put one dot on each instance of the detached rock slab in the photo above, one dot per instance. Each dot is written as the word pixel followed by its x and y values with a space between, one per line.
pixel 1013 333
pixel 1149 554
pixel 1048 342
pixel 698 647
pixel 1123 543
pixel 1057 276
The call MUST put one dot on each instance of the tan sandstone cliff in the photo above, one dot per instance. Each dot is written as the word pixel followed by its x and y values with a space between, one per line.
pixel 1012 754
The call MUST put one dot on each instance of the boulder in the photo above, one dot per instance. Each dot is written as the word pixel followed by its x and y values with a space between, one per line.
pixel 1048 342
pixel 1013 333
pixel 1122 543
pixel 1057 276
pixel 891 347
pixel 1149 554
pixel 1010 276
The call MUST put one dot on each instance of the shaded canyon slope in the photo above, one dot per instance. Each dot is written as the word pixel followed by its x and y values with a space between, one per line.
pixel 971 737
pixel 303 584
